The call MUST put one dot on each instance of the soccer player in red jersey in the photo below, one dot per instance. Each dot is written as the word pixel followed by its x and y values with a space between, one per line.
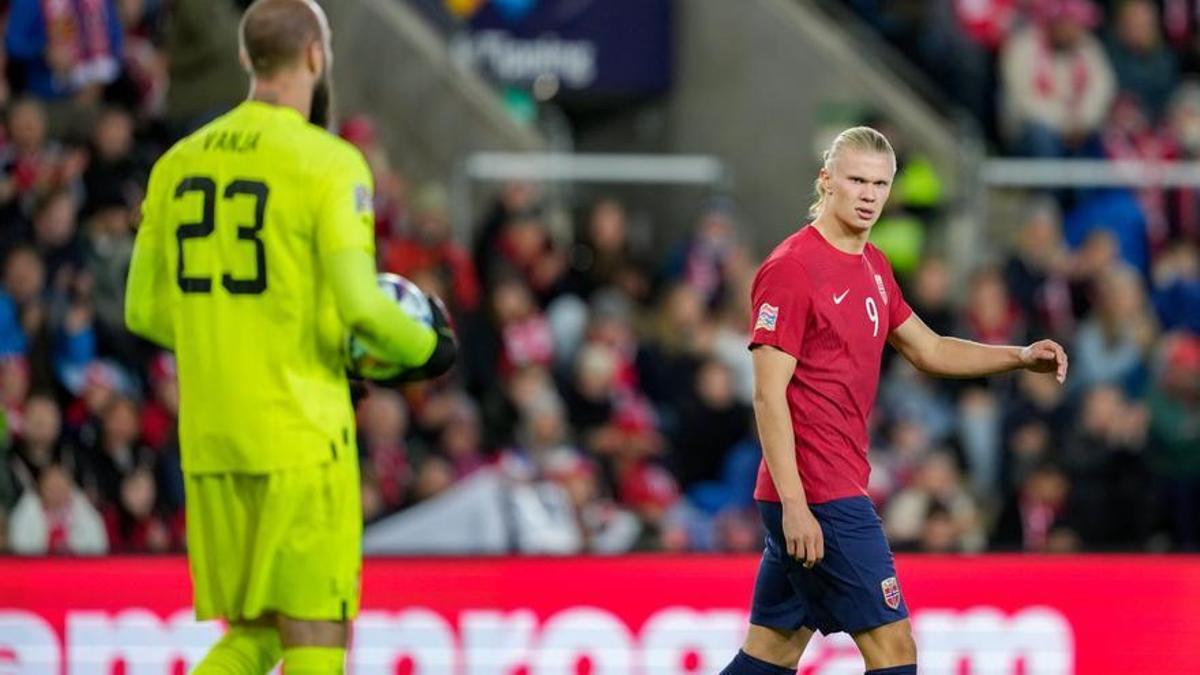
pixel 824 302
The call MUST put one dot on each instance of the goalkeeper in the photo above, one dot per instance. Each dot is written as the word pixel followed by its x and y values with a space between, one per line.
pixel 253 261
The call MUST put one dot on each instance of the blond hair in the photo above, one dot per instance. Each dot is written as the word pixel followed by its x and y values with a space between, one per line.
pixel 864 139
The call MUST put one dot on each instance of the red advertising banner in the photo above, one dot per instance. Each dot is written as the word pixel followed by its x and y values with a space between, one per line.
pixel 638 615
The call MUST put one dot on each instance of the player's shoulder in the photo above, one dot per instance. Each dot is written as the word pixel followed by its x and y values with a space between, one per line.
pixel 786 263
pixel 791 252
pixel 333 149
pixel 876 256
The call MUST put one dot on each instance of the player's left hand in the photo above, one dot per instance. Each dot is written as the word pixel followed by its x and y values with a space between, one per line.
pixel 1046 356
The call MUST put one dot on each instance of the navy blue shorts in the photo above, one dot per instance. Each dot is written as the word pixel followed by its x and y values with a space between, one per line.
pixel 852 589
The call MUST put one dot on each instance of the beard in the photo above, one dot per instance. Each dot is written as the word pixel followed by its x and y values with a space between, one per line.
pixel 320 111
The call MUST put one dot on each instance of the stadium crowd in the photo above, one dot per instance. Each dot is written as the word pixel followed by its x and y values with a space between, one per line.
pixel 615 376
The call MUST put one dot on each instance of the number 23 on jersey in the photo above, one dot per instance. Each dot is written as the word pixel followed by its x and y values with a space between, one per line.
pixel 207 188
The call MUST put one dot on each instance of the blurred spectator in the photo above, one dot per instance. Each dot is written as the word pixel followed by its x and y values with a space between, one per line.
pixel 1037 272
pixel 1183 129
pixel 524 334
pixel 700 260
pixel 108 248
pixel 910 395
pixel 506 407
pixel 159 430
pixel 1181 22
pixel 32 164
pixel 383 427
pixel 1174 407
pixel 1035 422
pixel 429 249
pixel 41 443
pixel 53 332
pixel 591 395
pixel 14 388
pixel 54 236
pixel 115 174
pixel 1116 213
pixel 610 323
pixel 1144 65
pixel 605 527
pixel 1057 82
pixel 651 492
pixel 1111 345
pixel 1130 135
pixel 460 440
pixel 611 419
pixel 205 76
pixel 1037 517
pixel 1176 293
pixel 10 485
pixel 433 476
pixel 738 531
pixel 898 458
pixel 160 413
pixel 524 247
pixel 117 453
pixel 935 512
pixel 24 284
pixel 143 84
pixel 603 255
pixel 101 383
pixel 1104 456
pixel 991 315
pixel 135 525
pixel 1091 260
pixel 516 200
pixel 979 432
pixel 929 295
pixel 543 431
pixel 62 49
pixel 56 518
pixel 680 338
pixel 731 336
pixel 973 30
pixel 711 421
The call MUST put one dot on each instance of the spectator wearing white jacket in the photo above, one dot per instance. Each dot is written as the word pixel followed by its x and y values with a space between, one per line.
pixel 1057 81
pixel 56 519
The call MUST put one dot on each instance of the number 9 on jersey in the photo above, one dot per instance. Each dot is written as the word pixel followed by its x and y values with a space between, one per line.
pixel 413 302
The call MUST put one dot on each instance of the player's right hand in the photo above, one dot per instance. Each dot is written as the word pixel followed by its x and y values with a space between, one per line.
pixel 805 541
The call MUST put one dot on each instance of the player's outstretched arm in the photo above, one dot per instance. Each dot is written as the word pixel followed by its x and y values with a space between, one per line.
pixel 345 248
pixel 773 369
pixel 384 328
pixel 953 357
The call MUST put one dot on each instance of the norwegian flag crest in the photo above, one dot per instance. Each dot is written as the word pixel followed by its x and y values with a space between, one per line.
pixel 891 592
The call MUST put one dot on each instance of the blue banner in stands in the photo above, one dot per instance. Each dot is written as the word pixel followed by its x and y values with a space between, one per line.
pixel 596 47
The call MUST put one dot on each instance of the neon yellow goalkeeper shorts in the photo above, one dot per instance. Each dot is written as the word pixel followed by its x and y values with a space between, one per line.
pixel 287 541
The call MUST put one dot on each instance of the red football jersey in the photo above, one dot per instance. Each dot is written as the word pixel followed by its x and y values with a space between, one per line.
pixel 833 311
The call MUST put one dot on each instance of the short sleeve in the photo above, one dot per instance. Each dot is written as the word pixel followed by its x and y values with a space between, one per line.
pixel 780 302
pixel 346 212
pixel 898 309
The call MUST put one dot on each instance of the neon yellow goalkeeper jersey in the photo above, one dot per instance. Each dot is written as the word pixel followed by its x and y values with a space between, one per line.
pixel 227 271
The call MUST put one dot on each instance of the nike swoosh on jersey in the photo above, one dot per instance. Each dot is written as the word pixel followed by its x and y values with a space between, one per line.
pixel 837 299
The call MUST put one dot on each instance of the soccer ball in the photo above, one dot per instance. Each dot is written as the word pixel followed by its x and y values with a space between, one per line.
pixel 414 303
